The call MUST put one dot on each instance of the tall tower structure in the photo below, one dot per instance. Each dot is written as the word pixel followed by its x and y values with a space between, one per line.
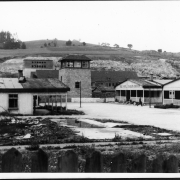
pixel 76 69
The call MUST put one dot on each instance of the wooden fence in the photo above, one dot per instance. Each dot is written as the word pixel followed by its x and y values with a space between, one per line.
pixel 12 161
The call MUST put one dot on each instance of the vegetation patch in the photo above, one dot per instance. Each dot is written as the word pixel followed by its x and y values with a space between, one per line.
pixel 166 106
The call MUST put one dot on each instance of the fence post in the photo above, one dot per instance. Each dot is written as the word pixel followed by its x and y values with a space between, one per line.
pixel 170 165
pixel 39 161
pixel 68 162
pixel 118 163
pixel 12 161
pixel 157 165
pixel 94 163
pixel 139 164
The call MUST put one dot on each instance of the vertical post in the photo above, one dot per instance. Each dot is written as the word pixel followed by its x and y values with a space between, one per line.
pixel 37 101
pixel 56 102
pixel 120 94
pixel 48 100
pixel 45 100
pixel 52 101
pixel 149 97
pixel 136 95
pixel 143 96
pixel 61 102
pixel 80 92
pixel 66 101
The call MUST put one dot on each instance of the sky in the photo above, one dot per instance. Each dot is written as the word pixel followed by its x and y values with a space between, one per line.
pixel 147 25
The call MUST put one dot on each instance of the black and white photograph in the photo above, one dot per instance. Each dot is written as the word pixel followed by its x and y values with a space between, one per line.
pixel 89 89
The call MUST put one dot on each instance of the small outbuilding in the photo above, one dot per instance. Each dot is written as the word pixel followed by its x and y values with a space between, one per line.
pixel 21 95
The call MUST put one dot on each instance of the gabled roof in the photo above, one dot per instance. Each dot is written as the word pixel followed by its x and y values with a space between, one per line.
pixel 32 85
pixel 104 89
pixel 171 81
pixel 143 83
pixel 162 81
pixel 113 76
pixel 76 57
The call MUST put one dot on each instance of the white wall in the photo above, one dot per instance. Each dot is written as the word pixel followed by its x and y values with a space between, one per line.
pixel 88 100
pixel 3 102
pixel 172 86
pixel 27 72
pixel 25 103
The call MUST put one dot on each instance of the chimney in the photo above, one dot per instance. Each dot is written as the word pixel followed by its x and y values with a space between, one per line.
pixel 20 73
pixel 151 77
pixel 21 78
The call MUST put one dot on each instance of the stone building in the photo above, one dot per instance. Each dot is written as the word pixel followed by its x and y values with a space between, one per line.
pixel 33 64
pixel 75 72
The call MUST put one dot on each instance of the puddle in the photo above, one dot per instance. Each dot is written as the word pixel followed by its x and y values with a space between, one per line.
pixel 97 130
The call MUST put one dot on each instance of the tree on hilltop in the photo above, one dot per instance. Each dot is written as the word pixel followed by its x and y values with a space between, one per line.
pixel 129 46
pixel 84 43
pixel 68 43
pixel 23 46
pixel 160 50
pixel 9 41
pixel 116 45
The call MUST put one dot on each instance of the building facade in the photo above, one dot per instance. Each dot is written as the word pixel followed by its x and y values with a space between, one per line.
pixel 18 95
pixel 171 92
pixel 75 72
pixel 32 64
pixel 150 92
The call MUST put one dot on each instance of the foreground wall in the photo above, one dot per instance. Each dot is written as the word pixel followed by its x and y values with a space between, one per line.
pixel 25 103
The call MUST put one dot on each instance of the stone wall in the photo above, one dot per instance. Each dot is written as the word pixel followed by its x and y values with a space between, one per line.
pixel 70 76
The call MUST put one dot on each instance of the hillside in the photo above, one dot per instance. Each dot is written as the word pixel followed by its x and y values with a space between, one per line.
pixel 106 58
pixel 40 43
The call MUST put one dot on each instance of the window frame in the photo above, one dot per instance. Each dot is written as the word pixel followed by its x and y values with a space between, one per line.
pixel 16 98
pixel 85 62
pixel 77 84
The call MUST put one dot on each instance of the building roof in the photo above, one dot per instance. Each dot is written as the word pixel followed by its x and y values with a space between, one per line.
pixel 162 81
pixel 104 89
pixel 32 85
pixel 113 76
pixel 47 73
pixel 171 81
pixel 37 59
pixel 143 83
pixel 76 57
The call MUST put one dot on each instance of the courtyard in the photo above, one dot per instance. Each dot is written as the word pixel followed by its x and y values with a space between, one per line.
pixel 162 118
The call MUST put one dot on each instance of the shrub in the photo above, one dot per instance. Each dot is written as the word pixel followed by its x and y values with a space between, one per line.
pixel 166 106
pixel 34 146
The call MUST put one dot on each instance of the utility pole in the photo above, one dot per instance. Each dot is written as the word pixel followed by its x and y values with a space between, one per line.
pixel 149 97
pixel 80 92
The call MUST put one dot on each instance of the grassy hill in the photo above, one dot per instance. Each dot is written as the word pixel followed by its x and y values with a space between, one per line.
pixel 108 58
pixel 60 43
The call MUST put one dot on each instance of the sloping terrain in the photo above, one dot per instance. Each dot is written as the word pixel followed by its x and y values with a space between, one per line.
pixel 104 58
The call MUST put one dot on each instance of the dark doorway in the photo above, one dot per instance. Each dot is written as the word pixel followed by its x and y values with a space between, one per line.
pixel 127 95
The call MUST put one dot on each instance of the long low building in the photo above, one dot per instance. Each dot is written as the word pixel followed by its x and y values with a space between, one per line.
pixel 19 95
pixel 134 89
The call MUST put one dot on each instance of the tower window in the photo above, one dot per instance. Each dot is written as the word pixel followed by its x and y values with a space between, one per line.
pixel 84 64
pixel 77 84
pixel 77 64
pixel 69 64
